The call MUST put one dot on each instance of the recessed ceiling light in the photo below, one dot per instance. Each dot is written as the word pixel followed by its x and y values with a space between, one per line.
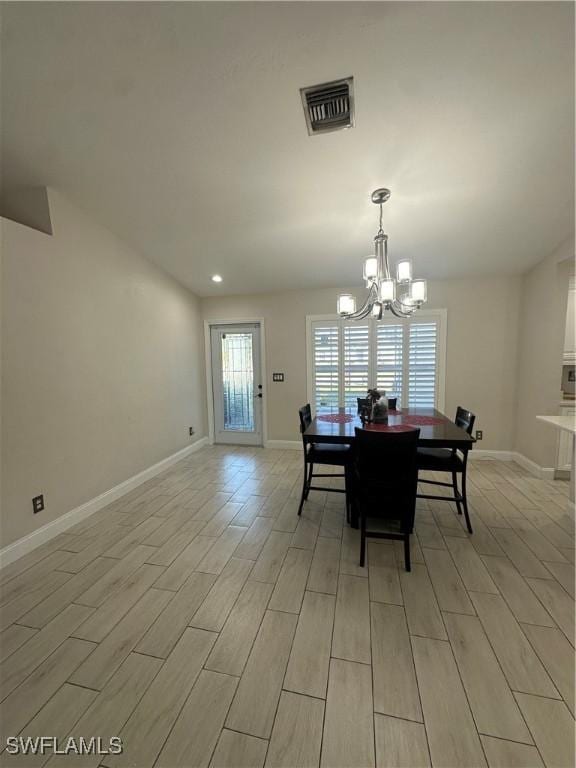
pixel 216 278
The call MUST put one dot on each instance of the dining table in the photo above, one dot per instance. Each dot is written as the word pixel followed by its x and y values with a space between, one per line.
pixel 436 429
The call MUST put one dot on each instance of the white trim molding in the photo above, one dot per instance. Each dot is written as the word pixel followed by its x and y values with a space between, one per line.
pixel 284 445
pixel 26 544
pixel 544 473
pixel 208 367
pixel 478 454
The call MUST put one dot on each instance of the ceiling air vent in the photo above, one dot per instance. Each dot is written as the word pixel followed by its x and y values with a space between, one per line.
pixel 329 106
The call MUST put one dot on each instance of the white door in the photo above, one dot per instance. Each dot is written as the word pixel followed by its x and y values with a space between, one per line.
pixel 237 384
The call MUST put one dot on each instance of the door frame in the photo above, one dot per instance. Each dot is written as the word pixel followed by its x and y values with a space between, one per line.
pixel 208 365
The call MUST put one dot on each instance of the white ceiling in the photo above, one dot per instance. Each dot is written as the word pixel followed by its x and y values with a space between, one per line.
pixel 179 126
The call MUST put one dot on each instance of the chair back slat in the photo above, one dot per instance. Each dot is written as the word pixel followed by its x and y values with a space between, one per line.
pixel 465 419
pixel 305 414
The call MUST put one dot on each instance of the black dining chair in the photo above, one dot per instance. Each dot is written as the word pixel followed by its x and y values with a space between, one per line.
pixel 450 460
pixel 323 453
pixel 384 485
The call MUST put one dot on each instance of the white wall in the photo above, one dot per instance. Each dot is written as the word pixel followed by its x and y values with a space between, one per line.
pixel 540 351
pixel 102 366
pixel 570 332
pixel 481 348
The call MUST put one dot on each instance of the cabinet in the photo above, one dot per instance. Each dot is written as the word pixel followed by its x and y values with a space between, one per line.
pixel 565 439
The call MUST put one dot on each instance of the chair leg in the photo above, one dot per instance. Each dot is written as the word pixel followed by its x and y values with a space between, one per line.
pixel 465 503
pixel 305 484
pixel 362 539
pixel 353 515
pixel 407 564
pixel 456 492
pixel 348 487
pixel 309 481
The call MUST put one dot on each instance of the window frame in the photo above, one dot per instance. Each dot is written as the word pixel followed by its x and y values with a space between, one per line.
pixel 439 315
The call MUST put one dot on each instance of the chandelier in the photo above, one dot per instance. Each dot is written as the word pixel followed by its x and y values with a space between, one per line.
pixel 401 295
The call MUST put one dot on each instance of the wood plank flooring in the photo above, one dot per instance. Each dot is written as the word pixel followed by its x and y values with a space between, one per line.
pixel 206 625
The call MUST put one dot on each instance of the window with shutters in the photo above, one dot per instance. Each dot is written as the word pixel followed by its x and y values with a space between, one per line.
pixel 403 357
pixel 422 365
pixel 356 361
pixel 389 357
pixel 326 356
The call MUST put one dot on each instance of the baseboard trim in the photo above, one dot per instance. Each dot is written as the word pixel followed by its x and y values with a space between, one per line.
pixel 283 445
pixel 475 454
pixel 544 473
pixel 487 455
pixel 26 544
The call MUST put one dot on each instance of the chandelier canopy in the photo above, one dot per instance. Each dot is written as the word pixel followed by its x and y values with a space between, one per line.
pixel 401 295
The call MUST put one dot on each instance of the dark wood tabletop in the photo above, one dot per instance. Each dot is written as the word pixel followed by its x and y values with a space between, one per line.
pixel 436 430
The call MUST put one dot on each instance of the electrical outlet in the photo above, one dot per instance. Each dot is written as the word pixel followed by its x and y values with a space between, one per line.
pixel 190 431
pixel 38 503
pixel 479 434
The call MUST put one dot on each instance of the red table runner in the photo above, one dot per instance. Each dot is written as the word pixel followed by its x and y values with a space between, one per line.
pixel 337 418
pixel 421 421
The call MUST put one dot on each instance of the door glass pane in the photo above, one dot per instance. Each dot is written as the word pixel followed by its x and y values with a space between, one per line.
pixel 238 382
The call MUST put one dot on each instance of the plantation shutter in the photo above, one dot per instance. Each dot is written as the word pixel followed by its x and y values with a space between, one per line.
pixel 389 359
pixel 356 363
pixel 422 364
pixel 326 367
pixel 402 357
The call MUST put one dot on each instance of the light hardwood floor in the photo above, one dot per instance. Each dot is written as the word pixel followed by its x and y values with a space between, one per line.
pixel 203 622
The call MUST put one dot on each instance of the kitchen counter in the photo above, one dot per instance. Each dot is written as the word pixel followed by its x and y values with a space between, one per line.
pixel 566 424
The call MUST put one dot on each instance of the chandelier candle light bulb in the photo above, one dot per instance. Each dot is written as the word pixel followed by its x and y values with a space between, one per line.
pixel 387 289
pixel 382 287
pixel 370 270
pixel 346 304
pixel 418 290
pixel 404 271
